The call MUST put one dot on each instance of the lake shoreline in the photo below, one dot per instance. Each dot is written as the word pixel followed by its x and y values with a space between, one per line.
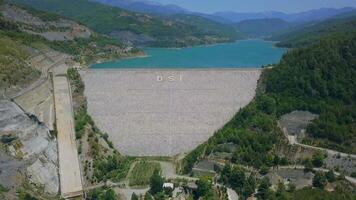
pixel 251 53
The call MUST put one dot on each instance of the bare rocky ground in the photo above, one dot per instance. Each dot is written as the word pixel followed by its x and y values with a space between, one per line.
pixel 28 148
pixel 64 29
pixel 297 177
pixel 39 103
pixel 296 122
pixel 294 126
pixel 37 99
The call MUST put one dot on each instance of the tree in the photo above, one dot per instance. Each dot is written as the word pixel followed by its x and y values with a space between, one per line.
pixel 160 196
pixel 102 194
pixel 237 178
pixel 156 182
pixel 330 176
pixel 109 195
pixel 281 191
pixel 249 186
pixel 134 196
pixel 148 196
pixel 226 173
pixel 319 180
pixel 308 165
pixel 353 174
pixel 291 187
pixel 266 104
pixel 318 159
pixel 263 189
pixel 204 185
pixel 264 169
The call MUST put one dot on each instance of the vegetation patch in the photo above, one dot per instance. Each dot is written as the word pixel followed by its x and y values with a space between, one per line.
pixel 102 194
pixel 3 190
pixel 142 172
pixel 101 161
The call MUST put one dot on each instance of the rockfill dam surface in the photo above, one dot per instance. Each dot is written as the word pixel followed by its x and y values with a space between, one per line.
pixel 165 112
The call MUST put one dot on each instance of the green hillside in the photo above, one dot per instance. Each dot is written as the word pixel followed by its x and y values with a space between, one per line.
pixel 14 71
pixel 318 78
pixel 18 45
pixel 311 33
pixel 132 27
pixel 208 26
pixel 262 27
pixel 85 50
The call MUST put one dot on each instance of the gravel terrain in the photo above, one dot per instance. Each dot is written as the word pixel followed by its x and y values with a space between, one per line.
pixel 161 112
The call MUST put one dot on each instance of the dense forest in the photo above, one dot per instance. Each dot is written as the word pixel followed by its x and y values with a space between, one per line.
pixel 138 28
pixel 321 79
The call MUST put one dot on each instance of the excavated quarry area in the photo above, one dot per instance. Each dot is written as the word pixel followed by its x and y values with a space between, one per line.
pixel 164 112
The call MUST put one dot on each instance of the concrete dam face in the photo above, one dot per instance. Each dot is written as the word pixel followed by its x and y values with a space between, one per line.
pixel 164 112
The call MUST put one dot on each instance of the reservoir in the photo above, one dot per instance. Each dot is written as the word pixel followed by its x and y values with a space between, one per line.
pixel 240 54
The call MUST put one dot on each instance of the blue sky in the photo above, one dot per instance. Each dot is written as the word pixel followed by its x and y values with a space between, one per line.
pixel 209 6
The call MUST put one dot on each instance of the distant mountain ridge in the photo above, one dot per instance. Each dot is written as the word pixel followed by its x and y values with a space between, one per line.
pixel 311 15
pixel 262 27
pixel 311 33
pixel 145 6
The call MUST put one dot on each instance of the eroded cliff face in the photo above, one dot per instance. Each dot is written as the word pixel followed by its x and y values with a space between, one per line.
pixel 28 152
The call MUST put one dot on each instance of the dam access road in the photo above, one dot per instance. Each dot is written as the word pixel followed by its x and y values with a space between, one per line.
pixel 165 112
pixel 69 169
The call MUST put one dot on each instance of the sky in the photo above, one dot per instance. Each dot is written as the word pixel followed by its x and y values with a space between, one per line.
pixel 289 6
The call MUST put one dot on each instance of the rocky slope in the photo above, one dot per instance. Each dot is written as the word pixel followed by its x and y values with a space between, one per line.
pixel 27 149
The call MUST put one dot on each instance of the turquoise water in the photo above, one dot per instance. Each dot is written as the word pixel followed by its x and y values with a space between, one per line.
pixel 243 53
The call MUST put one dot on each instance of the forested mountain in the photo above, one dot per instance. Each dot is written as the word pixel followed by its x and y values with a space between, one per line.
pixel 25 33
pixel 318 78
pixel 262 27
pixel 312 32
pixel 131 27
pixel 311 15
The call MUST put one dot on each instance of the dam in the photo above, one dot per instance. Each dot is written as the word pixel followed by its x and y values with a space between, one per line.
pixel 165 112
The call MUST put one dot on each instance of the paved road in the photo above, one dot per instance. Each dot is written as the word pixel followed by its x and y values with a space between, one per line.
pixel 69 169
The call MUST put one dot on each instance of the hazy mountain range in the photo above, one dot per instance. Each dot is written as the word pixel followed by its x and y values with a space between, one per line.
pixel 145 6
pixel 226 16
pixel 311 15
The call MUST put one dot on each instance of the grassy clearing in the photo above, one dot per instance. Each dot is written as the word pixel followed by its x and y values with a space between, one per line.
pixel 142 172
